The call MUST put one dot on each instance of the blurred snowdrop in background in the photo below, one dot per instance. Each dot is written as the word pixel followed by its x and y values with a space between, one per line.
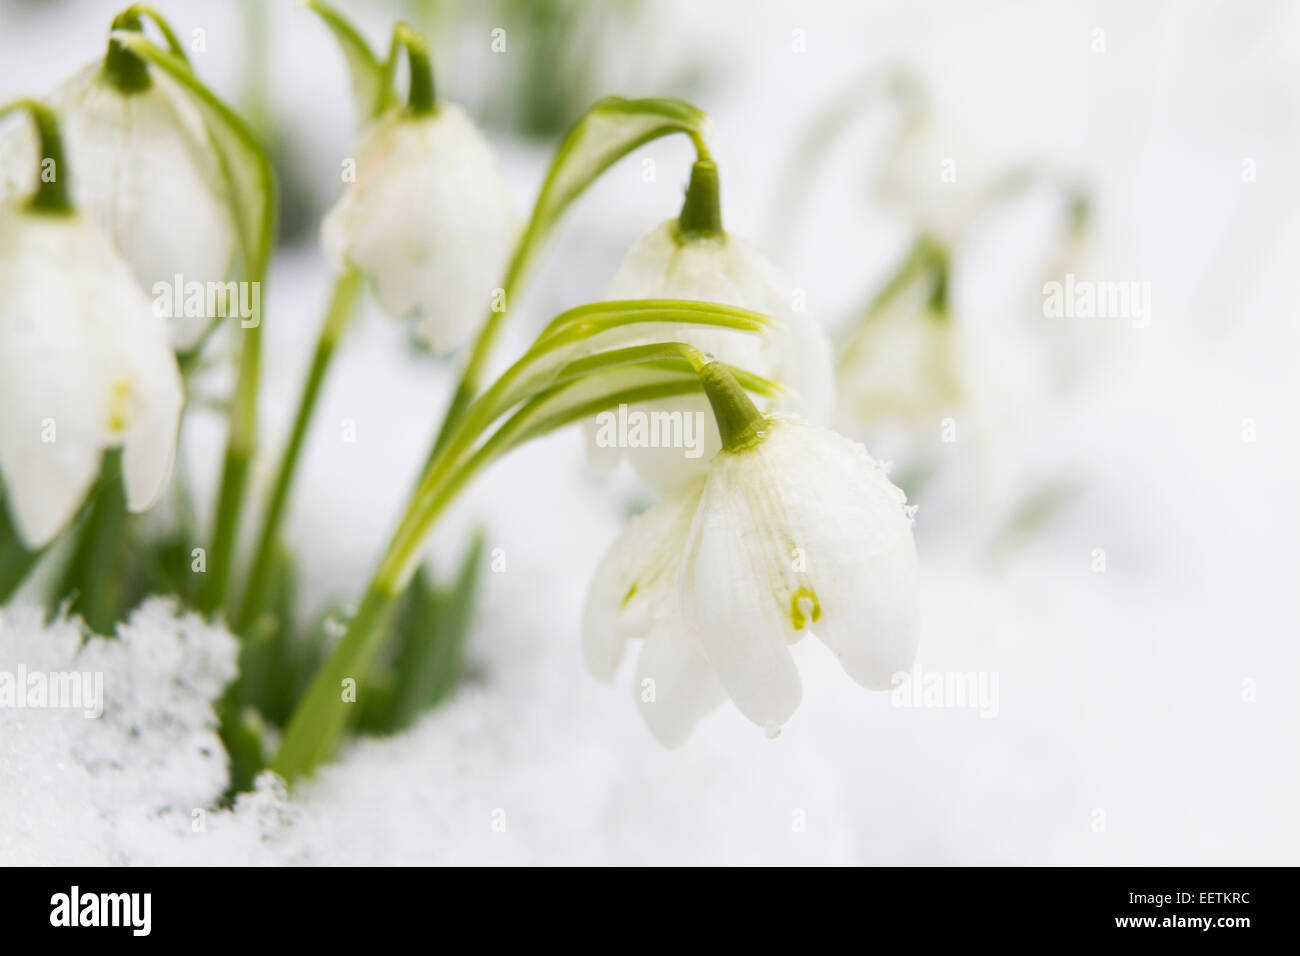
pixel 1107 521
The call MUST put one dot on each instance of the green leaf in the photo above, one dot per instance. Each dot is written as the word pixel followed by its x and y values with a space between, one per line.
pixel 372 79
pixel 607 132
pixel 15 560
pixel 243 734
pixel 266 670
pixel 93 580
pixel 432 634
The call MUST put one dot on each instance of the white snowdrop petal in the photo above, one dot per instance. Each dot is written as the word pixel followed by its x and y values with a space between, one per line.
pixel 602 457
pixel 802 532
pixel 50 384
pixel 45 483
pixel 149 448
pixel 675 685
pixel 85 365
pixel 732 272
pixel 429 218
pixel 904 365
pixel 731 611
pixel 683 438
pixel 635 582
pixel 871 615
pixel 19 160
pixel 143 167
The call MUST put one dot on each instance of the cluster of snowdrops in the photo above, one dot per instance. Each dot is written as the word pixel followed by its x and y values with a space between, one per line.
pixel 134 172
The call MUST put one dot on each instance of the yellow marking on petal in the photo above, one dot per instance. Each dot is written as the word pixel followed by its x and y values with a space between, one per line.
pixel 804 606
pixel 117 399
pixel 628 596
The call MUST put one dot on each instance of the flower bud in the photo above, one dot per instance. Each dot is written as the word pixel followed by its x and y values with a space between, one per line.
pixel 429 218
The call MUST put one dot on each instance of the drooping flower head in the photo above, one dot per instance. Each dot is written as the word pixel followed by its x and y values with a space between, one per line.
pixel 428 216
pixel 693 258
pixel 902 362
pixel 794 529
pixel 147 173
pixel 85 364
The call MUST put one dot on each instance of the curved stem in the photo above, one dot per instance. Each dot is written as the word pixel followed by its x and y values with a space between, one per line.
pixel 547 209
pixel 925 261
pixel 234 472
pixel 574 326
pixel 52 195
pixel 421 99
pixel 341 308
pixel 320 719
pixel 123 69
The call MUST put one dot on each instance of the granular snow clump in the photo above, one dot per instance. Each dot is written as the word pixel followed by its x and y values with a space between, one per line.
pixel 102 734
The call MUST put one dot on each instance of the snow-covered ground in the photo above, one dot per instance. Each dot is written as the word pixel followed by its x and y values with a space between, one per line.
pixel 1143 714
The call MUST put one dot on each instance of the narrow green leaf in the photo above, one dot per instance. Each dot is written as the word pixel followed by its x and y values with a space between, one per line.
pixel 93 580
pixel 372 79
pixel 15 560
pixel 432 635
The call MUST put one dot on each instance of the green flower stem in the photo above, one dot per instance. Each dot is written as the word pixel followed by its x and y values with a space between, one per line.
pixel 247 169
pixel 569 329
pixel 925 261
pixel 479 355
pixel 553 198
pixel 125 71
pixel 341 309
pixel 421 99
pixel 52 195
pixel 234 472
pixel 740 423
pixel 319 720
pixel 322 716
pixel 701 216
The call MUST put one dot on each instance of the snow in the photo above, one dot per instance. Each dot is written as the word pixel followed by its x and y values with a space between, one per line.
pixel 1144 713
pixel 72 783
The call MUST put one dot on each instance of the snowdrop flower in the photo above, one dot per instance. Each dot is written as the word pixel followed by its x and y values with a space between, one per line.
pixel 693 258
pixel 146 172
pixel 904 363
pixel 634 595
pixel 85 365
pixel 429 218
pixel 794 528
pixel 904 368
